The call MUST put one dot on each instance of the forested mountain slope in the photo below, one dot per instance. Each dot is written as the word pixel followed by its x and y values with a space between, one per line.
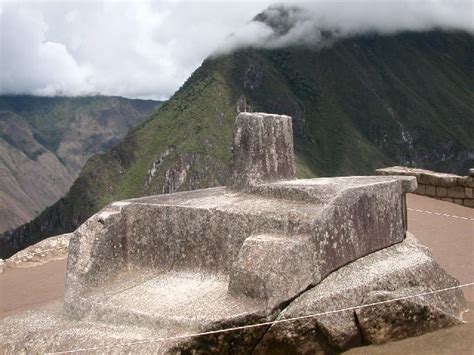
pixel 45 141
pixel 359 104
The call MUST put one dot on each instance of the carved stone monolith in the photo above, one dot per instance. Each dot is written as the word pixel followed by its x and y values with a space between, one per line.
pixel 262 150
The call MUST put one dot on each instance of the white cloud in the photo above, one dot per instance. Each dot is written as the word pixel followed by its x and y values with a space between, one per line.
pixel 30 61
pixel 134 49
pixel 148 49
pixel 307 20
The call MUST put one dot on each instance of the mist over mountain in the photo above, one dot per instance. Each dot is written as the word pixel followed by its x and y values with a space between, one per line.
pixel 363 102
pixel 45 142
pixel 147 49
pixel 320 23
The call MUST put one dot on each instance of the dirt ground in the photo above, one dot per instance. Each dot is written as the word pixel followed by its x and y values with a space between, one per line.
pixel 451 240
pixel 29 288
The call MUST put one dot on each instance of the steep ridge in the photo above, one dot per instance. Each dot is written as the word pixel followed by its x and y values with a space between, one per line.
pixel 359 104
pixel 45 141
pixel 31 176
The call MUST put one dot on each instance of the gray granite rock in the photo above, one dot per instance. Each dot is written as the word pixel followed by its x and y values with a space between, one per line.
pixel 339 219
pixel 266 267
pixel 405 317
pixel 97 251
pixel 269 236
pixel 400 269
pixel 48 331
pixel 49 249
pixel 266 239
pixel 262 150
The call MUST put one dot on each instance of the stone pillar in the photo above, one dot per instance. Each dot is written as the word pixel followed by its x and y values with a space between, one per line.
pixel 262 150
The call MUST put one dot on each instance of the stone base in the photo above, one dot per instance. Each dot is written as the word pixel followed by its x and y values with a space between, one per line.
pixel 137 309
pixel 401 270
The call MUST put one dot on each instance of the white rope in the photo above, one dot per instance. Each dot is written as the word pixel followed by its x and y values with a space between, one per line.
pixel 441 214
pixel 248 326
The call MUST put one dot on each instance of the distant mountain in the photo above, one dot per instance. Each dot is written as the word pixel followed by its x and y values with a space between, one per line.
pixel 359 104
pixel 45 142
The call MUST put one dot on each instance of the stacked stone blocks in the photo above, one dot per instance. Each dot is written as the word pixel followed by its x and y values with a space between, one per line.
pixel 446 187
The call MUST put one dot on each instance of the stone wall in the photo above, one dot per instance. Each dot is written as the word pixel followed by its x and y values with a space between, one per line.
pixel 446 187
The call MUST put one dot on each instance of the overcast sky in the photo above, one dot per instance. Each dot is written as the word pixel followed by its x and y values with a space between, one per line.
pixel 148 49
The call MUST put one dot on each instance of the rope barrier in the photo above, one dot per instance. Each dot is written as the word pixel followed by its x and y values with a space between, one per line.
pixel 441 214
pixel 269 323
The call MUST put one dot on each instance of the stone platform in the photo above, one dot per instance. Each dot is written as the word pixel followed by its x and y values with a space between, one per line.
pixel 270 243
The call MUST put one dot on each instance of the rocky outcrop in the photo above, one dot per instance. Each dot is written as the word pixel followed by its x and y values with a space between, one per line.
pixel 403 270
pixel 49 249
pixel 242 105
pixel 157 163
pixel 406 317
pixel 173 171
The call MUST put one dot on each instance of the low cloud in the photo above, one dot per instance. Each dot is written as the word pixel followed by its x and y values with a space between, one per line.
pixel 134 48
pixel 148 49
pixel 313 23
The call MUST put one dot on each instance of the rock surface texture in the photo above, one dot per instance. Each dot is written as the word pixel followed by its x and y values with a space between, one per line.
pixel 262 150
pixel 265 248
pixel 401 270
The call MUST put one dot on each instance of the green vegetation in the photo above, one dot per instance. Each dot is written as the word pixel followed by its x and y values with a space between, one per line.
pixel 360 104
